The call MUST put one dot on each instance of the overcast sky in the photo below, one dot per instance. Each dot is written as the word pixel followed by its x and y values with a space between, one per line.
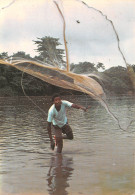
pixel 92 39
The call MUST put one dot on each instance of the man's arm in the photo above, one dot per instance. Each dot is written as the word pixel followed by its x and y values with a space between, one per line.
pixel 50 135
pixel 78 107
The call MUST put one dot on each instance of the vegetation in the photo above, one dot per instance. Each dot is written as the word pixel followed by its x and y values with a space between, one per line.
pixel 49 52
pixel 115 80
pixel 83 67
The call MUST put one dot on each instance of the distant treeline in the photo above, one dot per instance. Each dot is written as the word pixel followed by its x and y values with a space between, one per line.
pixel 114 80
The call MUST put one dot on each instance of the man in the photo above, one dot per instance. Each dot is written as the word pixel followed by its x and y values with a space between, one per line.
pixel 57 116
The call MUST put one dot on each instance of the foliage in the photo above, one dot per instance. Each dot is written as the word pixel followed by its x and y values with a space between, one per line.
pixel 47 48
pixel 3 81
pixel 131 74
pixel 4 55
pixel 10 83
pixel 21 54
pixel 100 66
pixel 83 67
pixel 133 66
pixel 116 79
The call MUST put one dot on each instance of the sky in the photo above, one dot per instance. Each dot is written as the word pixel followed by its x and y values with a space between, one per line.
pixel 89 35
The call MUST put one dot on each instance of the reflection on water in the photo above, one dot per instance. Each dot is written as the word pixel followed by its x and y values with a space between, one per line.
pixel 59 173
pixel 100 159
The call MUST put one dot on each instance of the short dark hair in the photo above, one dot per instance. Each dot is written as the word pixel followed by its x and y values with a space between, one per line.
pixel 54 96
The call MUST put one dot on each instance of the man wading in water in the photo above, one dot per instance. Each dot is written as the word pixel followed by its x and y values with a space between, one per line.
pixel 57 116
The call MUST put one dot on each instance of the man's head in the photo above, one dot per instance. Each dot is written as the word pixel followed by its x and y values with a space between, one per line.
pixel 56 99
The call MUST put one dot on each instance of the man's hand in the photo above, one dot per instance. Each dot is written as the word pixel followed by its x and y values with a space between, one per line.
pixel 84 109
pixel 52 144
pixel 87 108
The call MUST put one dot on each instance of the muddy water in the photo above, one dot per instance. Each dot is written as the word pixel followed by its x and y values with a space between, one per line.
pixel 100 159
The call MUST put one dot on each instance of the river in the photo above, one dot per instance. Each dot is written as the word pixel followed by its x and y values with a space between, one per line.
pixel 99 161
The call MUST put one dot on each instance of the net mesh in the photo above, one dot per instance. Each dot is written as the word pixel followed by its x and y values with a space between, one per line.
pixel 54 71
pixel 59 77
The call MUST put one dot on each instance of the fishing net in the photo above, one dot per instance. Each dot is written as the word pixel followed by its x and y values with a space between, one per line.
pixel 75 23
pixel 59 77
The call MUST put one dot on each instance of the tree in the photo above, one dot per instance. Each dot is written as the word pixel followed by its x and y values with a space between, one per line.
pixel 100 65
pixel 117 80
pixel 133 66
pixel 22 54
pixel 83 67
pixel 72 66
pixel 47 48
pixel 3 55
pixel 131 73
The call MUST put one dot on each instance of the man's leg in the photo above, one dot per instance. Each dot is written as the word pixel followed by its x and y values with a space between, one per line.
pixel 68 131
pixel 59 139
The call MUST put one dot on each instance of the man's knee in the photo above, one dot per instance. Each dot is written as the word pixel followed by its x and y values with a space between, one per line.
pixel 70 136
pixel 67 129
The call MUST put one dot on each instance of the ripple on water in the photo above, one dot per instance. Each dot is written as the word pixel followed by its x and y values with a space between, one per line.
pixel 101 156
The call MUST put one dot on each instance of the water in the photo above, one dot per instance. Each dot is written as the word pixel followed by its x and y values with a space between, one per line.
pixel 100 159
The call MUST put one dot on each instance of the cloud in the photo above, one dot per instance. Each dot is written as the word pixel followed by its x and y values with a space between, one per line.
pixel 92 38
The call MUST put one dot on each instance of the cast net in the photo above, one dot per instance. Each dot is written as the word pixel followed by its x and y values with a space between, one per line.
pixel 75 24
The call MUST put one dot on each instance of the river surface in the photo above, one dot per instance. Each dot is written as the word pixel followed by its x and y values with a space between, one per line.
pixel 99 161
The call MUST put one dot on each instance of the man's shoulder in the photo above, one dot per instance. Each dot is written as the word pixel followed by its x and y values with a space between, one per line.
pixel 51 109
pixel 66 103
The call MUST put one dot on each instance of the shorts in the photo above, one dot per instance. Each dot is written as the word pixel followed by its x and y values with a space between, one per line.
pixel 66 129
